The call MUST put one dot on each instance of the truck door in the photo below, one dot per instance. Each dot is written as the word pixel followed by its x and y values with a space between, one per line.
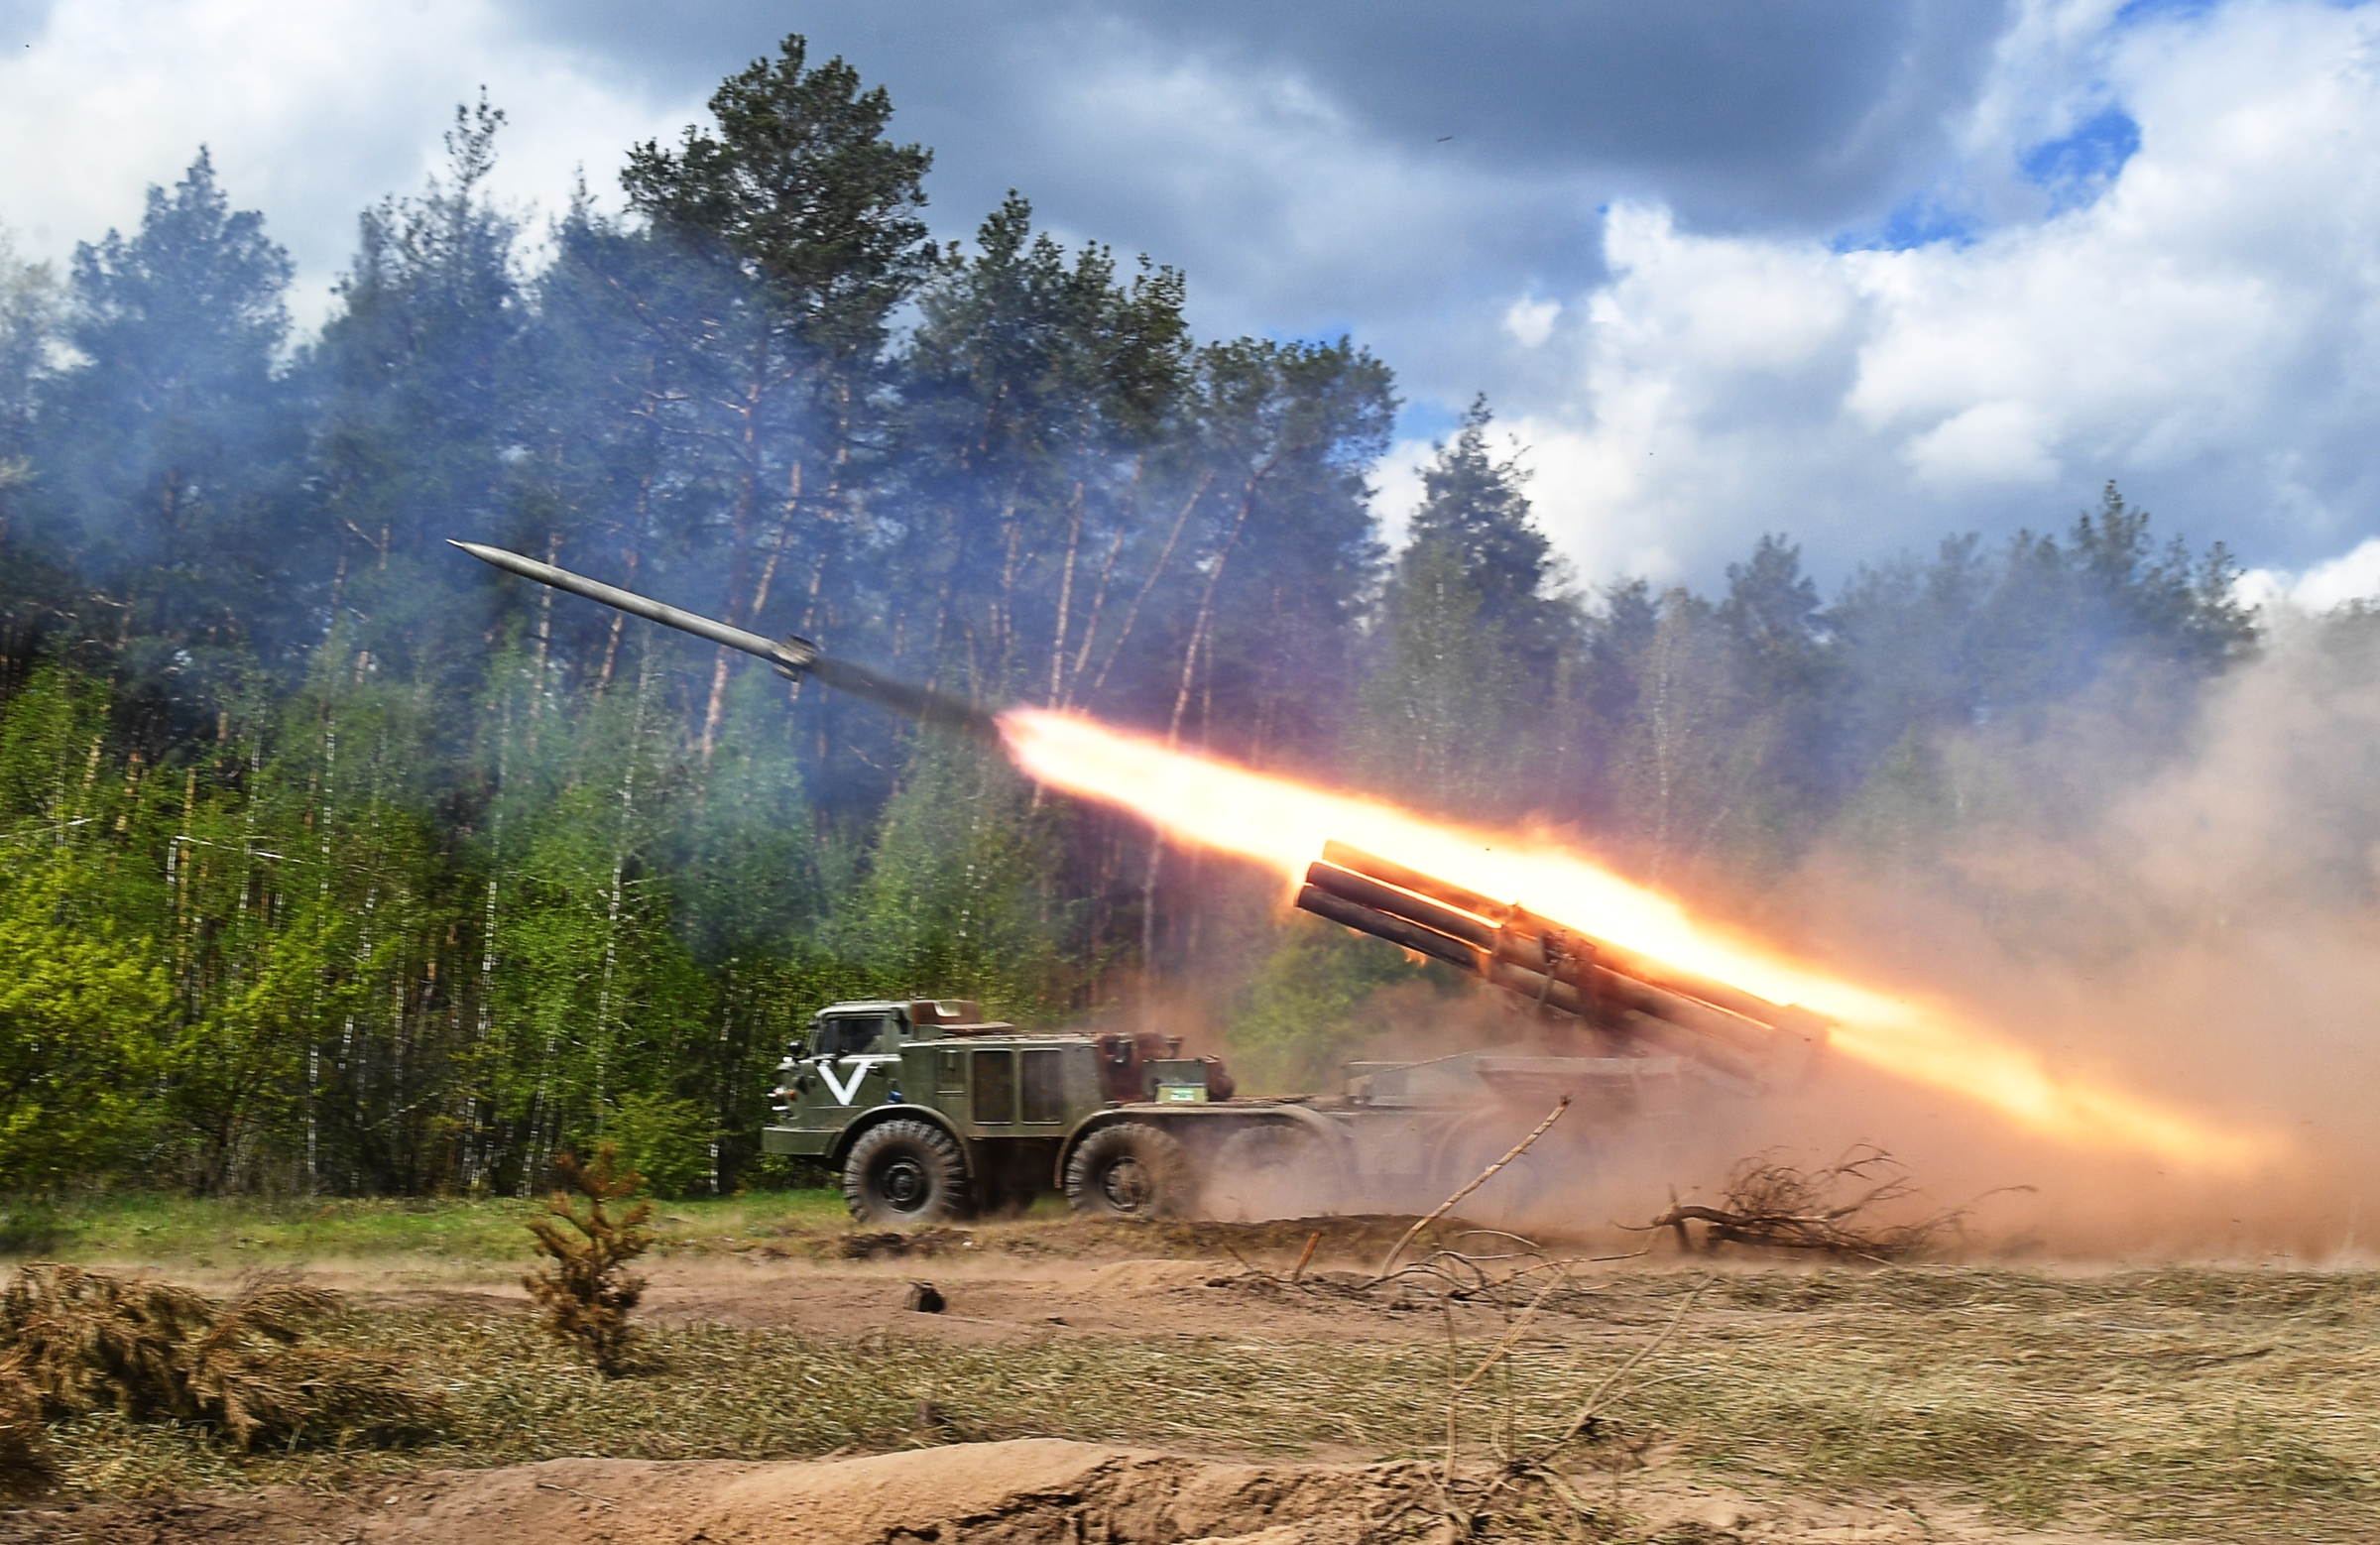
pixel 849 1050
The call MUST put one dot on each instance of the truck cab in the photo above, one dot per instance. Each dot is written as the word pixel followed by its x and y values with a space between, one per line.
pixel 851 1060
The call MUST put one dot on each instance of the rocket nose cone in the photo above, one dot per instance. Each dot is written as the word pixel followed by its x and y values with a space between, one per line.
pixel 510 562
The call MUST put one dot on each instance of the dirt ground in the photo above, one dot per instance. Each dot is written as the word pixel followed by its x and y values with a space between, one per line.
pixel 995 1300
pixel 1795 1404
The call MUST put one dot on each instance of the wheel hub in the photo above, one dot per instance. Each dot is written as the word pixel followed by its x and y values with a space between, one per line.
pixel 1126 1185
pixel 904 1184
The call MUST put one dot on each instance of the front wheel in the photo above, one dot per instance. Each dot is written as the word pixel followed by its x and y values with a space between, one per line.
pixel 1129 1170
pixel 905 1172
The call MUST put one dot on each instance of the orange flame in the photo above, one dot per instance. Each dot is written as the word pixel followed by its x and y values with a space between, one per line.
pixel 1282 825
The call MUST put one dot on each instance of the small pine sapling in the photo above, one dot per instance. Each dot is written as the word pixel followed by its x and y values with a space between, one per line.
pixel 585 1296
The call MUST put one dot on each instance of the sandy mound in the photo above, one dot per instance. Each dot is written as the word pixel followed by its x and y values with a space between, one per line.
pixel 1033 1489
pixel 1038 1489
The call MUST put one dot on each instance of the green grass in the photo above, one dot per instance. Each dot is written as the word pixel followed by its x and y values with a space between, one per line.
pixel 237 1233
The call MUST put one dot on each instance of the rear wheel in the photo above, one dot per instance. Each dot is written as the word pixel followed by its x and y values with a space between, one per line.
pixel 1521 1190
pixel 1129 1170
pixel 1275 1170
pixel 905 1172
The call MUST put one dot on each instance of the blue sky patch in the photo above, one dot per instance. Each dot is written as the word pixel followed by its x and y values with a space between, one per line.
pixel 2136 12
pixel 1426 420
pixel 2076 170
pixel 1918 221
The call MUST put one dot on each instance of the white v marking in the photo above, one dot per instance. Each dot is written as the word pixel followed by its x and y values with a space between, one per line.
pixel 844 1092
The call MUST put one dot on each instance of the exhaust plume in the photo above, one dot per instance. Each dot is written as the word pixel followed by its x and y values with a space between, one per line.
pixel 1285 826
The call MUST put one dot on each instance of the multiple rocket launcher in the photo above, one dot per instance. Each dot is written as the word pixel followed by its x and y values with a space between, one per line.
pixel 1739 1038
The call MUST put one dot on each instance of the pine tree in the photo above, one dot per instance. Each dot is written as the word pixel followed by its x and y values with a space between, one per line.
pixel 798 193
pixel 169 443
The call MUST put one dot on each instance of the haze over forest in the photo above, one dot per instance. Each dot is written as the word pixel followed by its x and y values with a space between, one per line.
pixel 335 861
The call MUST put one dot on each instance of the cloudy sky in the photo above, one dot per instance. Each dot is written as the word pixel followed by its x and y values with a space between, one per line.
pixel 1866 272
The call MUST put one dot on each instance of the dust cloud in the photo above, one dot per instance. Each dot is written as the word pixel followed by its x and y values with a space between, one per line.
pixel 2200 927
pixel 2208 936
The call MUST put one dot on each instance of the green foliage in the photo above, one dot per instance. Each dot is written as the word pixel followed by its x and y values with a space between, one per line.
pixel 1306 1007
pixel 1464 705
pixel 261 1232
pixel 958 899
pixel 169 447
pixel 1475 506
pixel 799 183
pixel 1445 706
pixel 83 1015
pixel 667 1141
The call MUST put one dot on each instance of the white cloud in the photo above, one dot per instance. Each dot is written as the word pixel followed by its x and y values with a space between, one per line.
pixel 2204 333
pixel 1530 322
pixel 2352 576
pixel 1991 442
pixel 312 110
pixel 1397 488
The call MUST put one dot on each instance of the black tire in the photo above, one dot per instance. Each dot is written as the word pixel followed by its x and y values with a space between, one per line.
pixel 905 1172
pixel 1275 1170
pixel 1129 1170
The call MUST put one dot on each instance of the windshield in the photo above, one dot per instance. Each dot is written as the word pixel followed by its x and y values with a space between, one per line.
pixel 844 1037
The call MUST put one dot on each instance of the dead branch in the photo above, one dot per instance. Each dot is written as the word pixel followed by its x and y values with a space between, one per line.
pixel 1485 1175
pixel 75 1339
pixel 1773 1205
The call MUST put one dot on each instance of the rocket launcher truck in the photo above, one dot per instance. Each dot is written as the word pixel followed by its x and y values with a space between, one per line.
pixel 931 1113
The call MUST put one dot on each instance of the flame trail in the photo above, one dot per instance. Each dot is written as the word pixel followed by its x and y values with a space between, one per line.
pixel 1282 825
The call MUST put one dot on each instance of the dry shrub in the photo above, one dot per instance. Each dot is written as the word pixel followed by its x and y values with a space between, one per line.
pixel 250 1378
pixel 26 1464
pixel 1776 1206
pixel 586 1295
pixel 78 1341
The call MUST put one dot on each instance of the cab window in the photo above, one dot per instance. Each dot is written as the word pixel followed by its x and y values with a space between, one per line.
pixel 851 1036
pixel 1044 1086
pixel 995 1087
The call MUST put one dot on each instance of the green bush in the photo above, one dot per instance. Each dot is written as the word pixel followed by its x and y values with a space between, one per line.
pixel 669 1141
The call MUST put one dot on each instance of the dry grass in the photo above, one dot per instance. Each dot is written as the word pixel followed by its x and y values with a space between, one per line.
pixel 75 1341
pixel 2227 1404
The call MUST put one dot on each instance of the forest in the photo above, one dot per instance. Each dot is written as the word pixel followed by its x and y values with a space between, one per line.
pixel 333 862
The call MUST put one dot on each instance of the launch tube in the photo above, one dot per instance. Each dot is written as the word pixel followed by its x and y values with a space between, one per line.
pixel 1526 931
pixel 1367 892
pixel 1397 930
pixel 1565 972
pixel 792 656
